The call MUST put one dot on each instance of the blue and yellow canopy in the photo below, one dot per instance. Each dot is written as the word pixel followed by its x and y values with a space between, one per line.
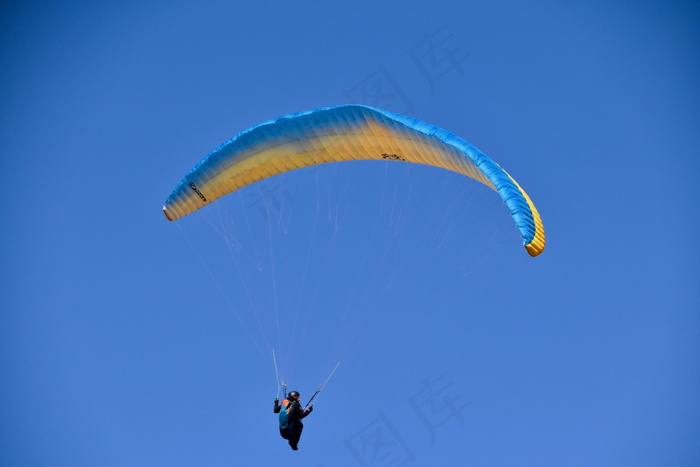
pixel 346 133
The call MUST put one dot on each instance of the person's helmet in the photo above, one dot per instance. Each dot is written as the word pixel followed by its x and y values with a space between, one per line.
pixel 294 394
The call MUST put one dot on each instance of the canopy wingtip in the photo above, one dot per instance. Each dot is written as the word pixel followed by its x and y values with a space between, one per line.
pixel 168 214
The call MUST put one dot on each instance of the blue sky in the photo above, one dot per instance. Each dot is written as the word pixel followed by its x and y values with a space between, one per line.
pixel 130 340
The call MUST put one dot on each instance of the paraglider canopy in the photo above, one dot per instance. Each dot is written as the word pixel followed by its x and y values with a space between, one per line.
pixel 346 133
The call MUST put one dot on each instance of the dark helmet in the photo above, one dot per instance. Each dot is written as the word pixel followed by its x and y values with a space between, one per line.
pixel 294 394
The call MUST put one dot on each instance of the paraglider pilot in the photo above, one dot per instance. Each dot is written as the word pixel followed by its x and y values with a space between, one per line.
pixel 290 417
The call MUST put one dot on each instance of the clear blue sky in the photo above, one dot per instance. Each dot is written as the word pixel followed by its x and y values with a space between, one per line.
pixel 126 339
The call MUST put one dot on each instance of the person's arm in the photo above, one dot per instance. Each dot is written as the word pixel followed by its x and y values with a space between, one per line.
pixel 299 412
pixel 277 407
pixel 307 411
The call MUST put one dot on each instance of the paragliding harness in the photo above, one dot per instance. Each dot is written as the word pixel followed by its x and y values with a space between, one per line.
pixel 286 406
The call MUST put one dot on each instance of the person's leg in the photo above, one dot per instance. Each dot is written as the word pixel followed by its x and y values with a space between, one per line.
pixel 295 434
